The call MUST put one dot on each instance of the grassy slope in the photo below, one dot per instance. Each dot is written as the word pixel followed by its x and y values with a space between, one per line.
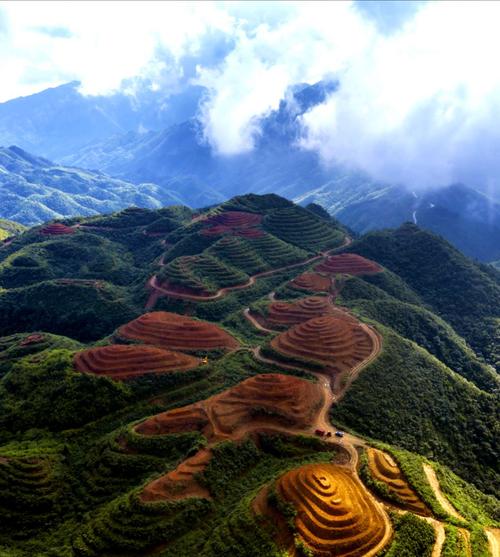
pixel 420 325
pixel 10 228
pixel 465 294
pixel 426 408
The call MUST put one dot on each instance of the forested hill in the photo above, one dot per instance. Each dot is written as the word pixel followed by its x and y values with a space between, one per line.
pixel 177 383
pixel 464 293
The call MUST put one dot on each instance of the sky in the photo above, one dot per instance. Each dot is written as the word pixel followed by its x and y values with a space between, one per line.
pixel 419 93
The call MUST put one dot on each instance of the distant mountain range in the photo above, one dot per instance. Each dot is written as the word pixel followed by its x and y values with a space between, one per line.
pixel 59 121
pixel 34 190
pixel 155 139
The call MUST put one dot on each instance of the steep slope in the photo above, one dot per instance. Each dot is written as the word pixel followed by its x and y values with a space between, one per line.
pixel 9 228
pixel 465 294
pixel 465 217
pixel 35 190
pixel 61 120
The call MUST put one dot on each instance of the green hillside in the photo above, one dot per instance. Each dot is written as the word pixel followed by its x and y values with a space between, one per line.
pixel 464 293
pixel 9 228
pixel 189 461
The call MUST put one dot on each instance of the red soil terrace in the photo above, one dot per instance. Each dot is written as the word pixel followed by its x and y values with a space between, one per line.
pixel 250 233
pixel 181 482
pixel 348 263
pixel 32 339
pixel 57 229
pixel 338 343
pixel 385 469
pixel 288 314
pixel 263 402
pixel 231 221
pixel 312 282
pixel 129 361
pixel 177 332
pixel 258 402
pixel 335 514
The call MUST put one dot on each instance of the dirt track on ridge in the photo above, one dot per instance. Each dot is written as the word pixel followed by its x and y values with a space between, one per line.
pixel 158 291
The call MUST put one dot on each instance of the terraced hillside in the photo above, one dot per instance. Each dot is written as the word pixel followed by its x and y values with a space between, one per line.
pixel 335 343
pixel 278 315
pixel 124 362
pixel 348 263
pixel 385 469
pixel 211 425
pixel 335 515
pixel 302 228
pixel 176 332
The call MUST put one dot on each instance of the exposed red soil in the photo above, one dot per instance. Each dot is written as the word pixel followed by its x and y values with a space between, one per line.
pixel 181 482
pixel 385 469
pixel 234 219
pixel 32 339
pixel 348 263
pixel 265 402
pixel 231 221
pixel 312 282
pixel 293 313
pixel 177 332
pixel 250 233
pixel 259 402
pixel 57 229
pixel 338 343
pixel 129 361
pixel 336 516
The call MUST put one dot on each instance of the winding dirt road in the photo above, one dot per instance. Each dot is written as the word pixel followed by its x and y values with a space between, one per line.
pixel 157 290
pixel 434 483
pixel 493 535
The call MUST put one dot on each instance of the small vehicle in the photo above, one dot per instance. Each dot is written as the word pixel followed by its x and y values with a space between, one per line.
pixel 319 432
pixel 329 434
pixel 339 434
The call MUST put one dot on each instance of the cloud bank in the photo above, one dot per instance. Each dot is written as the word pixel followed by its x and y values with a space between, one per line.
pixel 419 93
pixel 417 104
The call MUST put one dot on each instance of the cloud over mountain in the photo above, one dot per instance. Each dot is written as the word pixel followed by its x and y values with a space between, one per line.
pixel 419 84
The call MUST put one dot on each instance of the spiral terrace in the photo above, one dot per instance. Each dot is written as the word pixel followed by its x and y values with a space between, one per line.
pixel 57 229
pixel 312 282
pixel 264 400
pixel 348 263
pixel 177 332
pixel 230 221
pixel 293 313
pixel 385 470
pixel 125 362
pixel 337 343
pixel 335 514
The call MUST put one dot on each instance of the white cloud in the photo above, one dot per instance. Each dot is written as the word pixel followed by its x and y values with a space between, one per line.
pixel 312 41
pixel 411 108
pixel 417 104
pixel 98 43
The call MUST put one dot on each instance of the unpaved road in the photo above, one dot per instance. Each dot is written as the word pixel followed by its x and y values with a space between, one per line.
pixel 434 482
pixel 157 290
pixel 494 539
